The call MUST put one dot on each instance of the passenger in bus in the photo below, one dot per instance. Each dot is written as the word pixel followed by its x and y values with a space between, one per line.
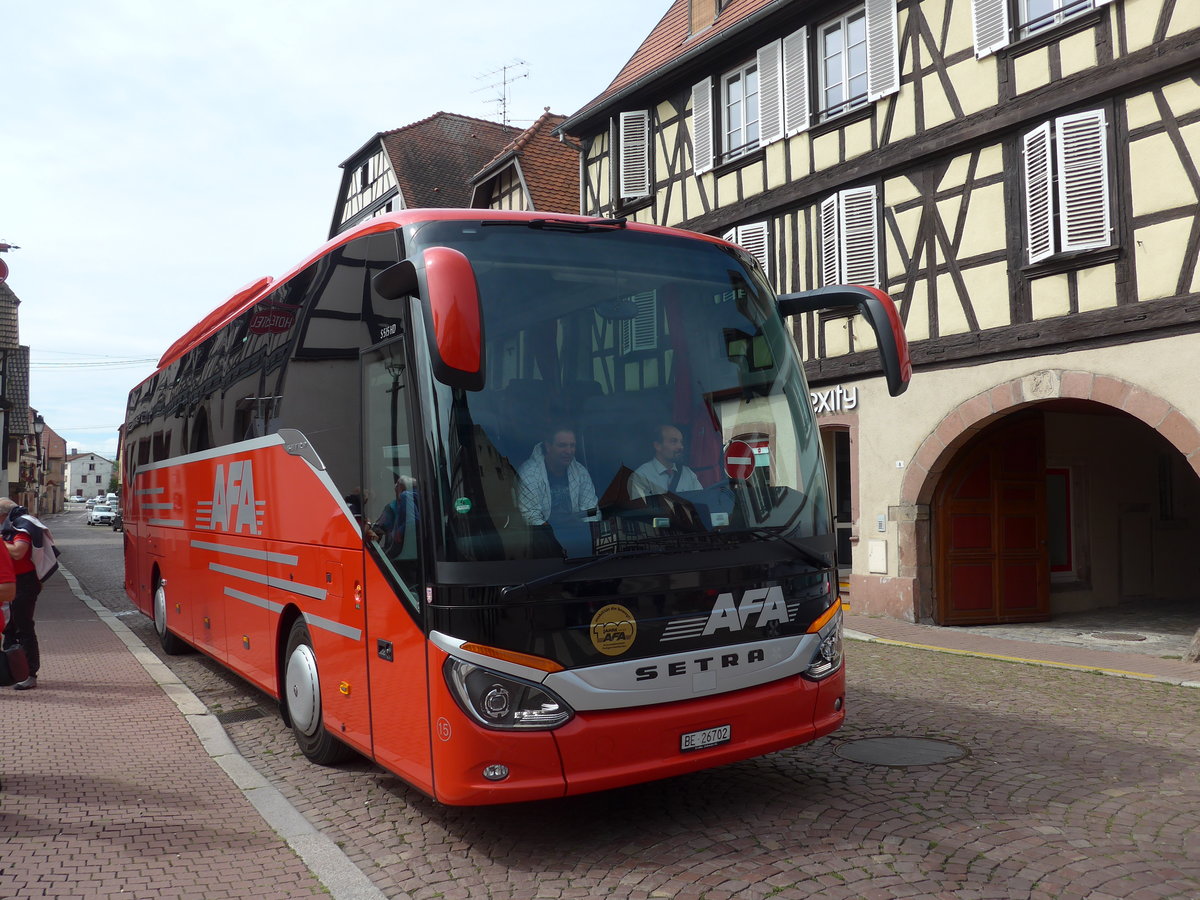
pixel 555 486
pixel 393 523
pixel 665 473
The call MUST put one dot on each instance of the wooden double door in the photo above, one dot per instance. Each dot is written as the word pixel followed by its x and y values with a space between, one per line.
pixel 991 555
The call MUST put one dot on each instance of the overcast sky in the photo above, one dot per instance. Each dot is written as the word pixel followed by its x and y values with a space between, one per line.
pixel 155 157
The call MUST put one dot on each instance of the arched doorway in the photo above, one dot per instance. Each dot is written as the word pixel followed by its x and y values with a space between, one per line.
pixel 990 525
pixel 1119 491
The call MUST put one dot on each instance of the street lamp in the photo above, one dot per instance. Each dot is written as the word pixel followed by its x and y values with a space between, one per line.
pixel 39 425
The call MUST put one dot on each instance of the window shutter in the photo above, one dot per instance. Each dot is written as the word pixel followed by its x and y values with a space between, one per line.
pixel 831 264
pixel 1083 187
pixel 635 154
pixel 770 93
pixel 795 82
pixel 702 128
pixel 860 236
pixel 883 49
pixel 1039 200
pixel 753 238
pixel 730 235
pixel 990 20
pixel 641 332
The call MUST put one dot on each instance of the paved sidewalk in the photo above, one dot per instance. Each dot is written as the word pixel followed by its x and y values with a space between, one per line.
pixel 116 782
pixel 1040 652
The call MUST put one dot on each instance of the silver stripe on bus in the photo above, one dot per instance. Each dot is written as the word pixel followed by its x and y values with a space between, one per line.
pixel 167 523
pixel 142 492
pixel 260 602
pixel 355 634
pixel 286 559
pixel 616 685
pixel 683 676
pixel 303 590
pixel 158 506
pixel 268 440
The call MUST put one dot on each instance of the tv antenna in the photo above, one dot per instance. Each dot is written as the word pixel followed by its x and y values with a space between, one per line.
pixel 511 71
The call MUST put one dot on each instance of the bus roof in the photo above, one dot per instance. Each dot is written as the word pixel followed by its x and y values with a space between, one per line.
pixel 250 294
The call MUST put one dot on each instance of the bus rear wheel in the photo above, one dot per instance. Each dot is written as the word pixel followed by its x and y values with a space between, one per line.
pixel 302 694
pixel 172 646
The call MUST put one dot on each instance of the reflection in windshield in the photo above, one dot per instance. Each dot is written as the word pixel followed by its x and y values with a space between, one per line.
pixel 641 391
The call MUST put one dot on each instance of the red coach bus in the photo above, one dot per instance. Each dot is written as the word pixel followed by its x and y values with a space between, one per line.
pixel 364 487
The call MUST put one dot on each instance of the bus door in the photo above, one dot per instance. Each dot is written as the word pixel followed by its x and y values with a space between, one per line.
pixel 392 510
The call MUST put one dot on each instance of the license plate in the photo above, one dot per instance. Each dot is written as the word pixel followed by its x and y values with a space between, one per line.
pixel 709 737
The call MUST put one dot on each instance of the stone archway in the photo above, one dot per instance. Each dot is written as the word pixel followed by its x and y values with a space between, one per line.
pixel 973 415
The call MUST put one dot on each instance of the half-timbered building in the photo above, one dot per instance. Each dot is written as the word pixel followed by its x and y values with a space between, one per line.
pixel 1023 177
pixel 429 163
pixel 537 171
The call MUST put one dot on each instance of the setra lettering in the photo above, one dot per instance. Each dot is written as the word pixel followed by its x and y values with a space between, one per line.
pixel 676 668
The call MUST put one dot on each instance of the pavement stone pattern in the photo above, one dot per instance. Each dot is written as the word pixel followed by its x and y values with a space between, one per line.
pixel 1074 785
pixel 107 791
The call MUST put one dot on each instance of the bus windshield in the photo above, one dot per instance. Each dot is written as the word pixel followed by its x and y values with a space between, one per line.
pixel 641 393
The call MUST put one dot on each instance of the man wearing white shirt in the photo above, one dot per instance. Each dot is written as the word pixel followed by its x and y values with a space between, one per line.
pixel 665 473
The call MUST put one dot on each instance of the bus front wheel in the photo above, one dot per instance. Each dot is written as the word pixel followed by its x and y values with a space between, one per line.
pixel 171 645
pixel 302 694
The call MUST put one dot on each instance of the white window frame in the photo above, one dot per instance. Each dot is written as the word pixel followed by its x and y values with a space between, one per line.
pixel 1067 185
pixel 849 234
pixel 847 103
pixel 993 20
pixel 746 122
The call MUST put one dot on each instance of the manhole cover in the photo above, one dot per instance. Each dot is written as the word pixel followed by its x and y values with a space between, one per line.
pixel 1118 636
pixel 900 751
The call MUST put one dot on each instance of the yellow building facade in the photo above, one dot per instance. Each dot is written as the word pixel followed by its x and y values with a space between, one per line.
pixel 1023 177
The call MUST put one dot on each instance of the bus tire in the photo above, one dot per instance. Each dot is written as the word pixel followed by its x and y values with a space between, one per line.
pixel 302 694
pixel 171 645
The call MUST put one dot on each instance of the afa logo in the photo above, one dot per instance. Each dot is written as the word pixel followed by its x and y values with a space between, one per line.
pixel 613 630
pixel 233 507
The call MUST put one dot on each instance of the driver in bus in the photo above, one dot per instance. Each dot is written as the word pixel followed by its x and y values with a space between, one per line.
pixel 555 486
pixel 665 473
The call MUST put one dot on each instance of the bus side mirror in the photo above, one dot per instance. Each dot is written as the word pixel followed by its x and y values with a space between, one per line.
pixel 879 311
pixel 452 308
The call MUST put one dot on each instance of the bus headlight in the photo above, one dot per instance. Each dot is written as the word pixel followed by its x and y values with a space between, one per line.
pixel 828 655
pixel 503 701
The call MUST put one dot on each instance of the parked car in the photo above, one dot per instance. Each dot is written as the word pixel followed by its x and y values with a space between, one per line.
pixel 117 522
pixel 100 514
pixel 75 498
pixel 90 503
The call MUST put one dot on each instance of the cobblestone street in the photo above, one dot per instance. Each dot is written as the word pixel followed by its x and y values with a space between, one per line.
pixel 1069 784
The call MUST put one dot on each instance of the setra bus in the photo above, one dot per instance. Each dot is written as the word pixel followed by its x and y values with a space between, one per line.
pixel 332 487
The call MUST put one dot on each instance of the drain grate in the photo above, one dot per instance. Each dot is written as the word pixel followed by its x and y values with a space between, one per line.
pixel 240 715
pixel 1118 636
pixel 900 751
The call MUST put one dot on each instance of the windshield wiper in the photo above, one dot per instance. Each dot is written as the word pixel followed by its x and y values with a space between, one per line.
pixel 811 557
pixel 560 224
pixel 555 577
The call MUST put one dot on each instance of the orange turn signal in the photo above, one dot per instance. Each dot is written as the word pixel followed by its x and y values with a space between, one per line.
pixel 521 659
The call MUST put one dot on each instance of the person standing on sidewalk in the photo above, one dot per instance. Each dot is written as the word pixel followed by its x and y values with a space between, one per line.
pixel 20 627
